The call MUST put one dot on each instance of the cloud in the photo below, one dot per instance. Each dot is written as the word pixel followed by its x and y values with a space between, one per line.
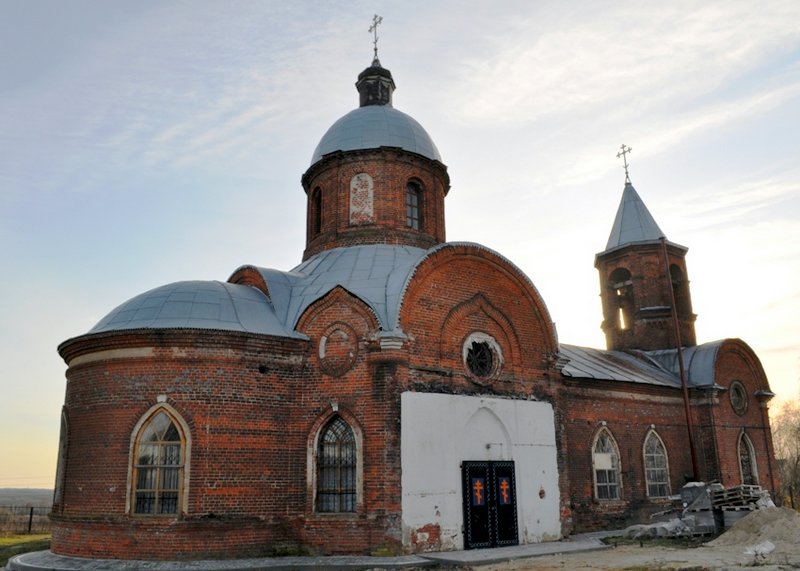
pixel 626 59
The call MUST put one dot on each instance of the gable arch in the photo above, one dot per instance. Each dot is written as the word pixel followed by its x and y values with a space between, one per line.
pixel 338 296
pixel 338 326
pixel 478 304
pixel 250 275
pixel 756 377
pixel 494 268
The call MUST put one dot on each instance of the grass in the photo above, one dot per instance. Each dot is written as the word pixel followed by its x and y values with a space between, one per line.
pixel 11 545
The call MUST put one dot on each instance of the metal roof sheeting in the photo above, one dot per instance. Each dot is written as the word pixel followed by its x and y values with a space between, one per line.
pixel 589 363
pixel 197 305
pixel 373 127
pixel 633 222
pixel 646 367
pixel 376 274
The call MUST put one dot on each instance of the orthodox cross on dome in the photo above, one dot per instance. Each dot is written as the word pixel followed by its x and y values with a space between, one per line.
pixel 376 20
pixel 624 154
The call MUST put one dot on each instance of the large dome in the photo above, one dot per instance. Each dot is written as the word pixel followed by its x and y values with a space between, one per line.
pixel 376 126
pixel 196 305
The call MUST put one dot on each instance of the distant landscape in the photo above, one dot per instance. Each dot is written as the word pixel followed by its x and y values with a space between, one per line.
pixel 30 497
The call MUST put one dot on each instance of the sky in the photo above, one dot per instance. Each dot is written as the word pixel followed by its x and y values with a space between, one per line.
pixel 148 142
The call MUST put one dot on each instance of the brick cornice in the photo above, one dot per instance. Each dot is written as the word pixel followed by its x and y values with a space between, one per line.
pixel 196 339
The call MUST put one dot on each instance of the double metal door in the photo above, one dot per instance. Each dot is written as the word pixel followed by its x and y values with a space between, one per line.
pixel 490 504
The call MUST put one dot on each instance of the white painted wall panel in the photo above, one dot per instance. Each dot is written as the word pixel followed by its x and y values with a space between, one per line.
pixel 438 432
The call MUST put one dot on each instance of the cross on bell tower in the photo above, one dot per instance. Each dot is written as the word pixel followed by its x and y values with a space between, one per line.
pixel 624 154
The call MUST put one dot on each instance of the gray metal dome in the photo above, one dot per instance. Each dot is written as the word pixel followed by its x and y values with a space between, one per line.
pixel 376 126
pixel 196 305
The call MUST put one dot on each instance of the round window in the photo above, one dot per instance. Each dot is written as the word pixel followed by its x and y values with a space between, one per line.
pixel 338 349
pixel 482 356
pixel 738 398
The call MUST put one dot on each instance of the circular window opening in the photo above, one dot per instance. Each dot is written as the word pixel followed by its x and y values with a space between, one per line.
pixel 482 356
pixel 738 398
pixel 338 349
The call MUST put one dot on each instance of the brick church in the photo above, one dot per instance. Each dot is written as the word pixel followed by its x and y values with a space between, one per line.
pixel 395 392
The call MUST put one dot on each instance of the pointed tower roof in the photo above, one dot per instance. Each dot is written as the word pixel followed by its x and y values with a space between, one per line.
pixel 633 224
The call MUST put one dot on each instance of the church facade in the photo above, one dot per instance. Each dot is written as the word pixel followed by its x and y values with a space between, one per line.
pixel 395 392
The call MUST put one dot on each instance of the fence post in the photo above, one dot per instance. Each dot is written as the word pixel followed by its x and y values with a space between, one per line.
pixel 30 521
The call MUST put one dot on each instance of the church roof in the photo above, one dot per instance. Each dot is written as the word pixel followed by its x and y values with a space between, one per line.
pixel 376 274
pixel 633 224
pixel 646 367
pixel 373 127
pixel 197 305
pixel 376 123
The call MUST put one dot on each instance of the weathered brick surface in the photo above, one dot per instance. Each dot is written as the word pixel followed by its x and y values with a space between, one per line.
pixel 649 328
pixel 737 362
pixel 253 405
pixel 629 411
pixel 391 170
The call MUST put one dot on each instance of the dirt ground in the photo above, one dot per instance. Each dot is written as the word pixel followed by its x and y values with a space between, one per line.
pixel 768 539
pixel 635 558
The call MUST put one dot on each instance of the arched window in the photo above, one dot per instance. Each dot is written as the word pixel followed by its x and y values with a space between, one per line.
pixel 413 205
pixel 622 285
pixel 336 468
pixel 680 289
pixel 747 461
pixel 316 211
pixel 158 465
pixel 605 459
pixel 656 468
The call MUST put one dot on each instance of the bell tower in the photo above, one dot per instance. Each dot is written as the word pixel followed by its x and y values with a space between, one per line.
pixel 640 274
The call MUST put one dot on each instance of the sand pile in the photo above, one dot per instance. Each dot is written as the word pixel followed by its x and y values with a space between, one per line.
pixel 779 526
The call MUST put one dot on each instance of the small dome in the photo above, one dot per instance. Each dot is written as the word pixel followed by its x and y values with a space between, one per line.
pixel 196 305
pixel 375 126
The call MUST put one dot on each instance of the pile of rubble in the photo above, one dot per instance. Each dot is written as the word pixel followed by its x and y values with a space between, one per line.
pixel 767 534
pixel 707 509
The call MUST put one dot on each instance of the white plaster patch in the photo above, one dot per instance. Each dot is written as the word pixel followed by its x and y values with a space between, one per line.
pixel 361 199
pixel 438 432
pixel 112 354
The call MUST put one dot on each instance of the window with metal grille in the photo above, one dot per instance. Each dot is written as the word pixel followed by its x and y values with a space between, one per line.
pixel 158 467
pixel 336 468
pixel 605 458
pixel 480 359
pixel 413 198
pixel 656 470
pixel 747 461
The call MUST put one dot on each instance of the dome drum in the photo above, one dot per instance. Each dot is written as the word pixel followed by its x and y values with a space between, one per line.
pixel 362 197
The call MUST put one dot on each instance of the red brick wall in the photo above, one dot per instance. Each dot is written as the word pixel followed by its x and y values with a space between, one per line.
pixel 462 288
pixel 251 403
pixel 628 412
pixel 390 169
pixel 737 362
pixel 649 330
